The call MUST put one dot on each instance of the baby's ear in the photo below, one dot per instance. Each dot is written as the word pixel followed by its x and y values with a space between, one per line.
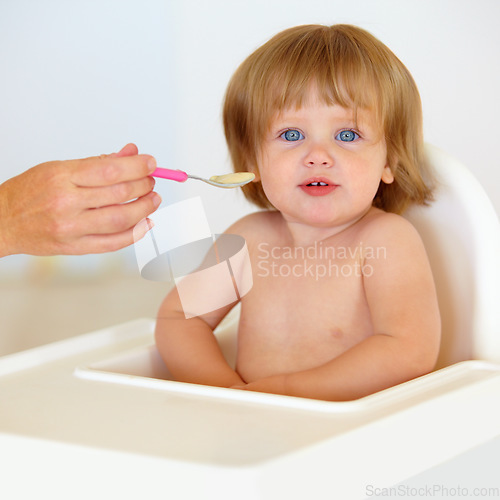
pixel 387 175
pixel 255 171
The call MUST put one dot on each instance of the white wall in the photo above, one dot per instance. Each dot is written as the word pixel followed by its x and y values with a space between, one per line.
pixel 84 77
pixel 80 78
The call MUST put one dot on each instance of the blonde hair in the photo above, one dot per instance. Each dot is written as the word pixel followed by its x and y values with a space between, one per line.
pixel 349 67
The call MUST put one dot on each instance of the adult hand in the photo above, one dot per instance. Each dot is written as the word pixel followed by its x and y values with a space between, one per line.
pixel 76 207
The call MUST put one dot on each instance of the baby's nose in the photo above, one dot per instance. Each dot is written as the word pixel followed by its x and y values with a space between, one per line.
pixel 319 156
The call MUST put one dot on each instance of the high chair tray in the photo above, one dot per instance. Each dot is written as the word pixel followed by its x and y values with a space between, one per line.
pixel 143 367
pixel 98 409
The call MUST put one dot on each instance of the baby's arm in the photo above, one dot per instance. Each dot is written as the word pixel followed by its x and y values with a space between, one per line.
pixel 189 347
pixel 406 324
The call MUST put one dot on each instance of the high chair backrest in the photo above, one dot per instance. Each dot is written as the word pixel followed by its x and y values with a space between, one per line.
pixel 461 233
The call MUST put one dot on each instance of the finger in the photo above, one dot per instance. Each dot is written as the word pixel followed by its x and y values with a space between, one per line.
pixel 94 243
pixel 107 170
pixel 118 218
pixel 93 197
pixel 128 150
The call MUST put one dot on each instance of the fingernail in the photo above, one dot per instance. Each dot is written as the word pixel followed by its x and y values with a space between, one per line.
pixel 156 200
pixel 151 165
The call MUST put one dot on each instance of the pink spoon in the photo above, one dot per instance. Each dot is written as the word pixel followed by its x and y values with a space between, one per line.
pixel 224 181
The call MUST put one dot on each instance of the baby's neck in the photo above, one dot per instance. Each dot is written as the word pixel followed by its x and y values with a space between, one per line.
pixel 303 235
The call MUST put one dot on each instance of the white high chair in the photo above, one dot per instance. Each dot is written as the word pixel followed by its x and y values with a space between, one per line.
pixel 461 233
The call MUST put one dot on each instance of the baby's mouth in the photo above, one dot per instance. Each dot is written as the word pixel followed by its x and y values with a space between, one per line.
pixel 318 186
pixel 318 182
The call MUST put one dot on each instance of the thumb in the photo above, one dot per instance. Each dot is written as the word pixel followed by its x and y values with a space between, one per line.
pixel 129 150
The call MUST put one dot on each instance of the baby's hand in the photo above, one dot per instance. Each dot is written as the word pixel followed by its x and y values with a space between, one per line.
pixel 275 384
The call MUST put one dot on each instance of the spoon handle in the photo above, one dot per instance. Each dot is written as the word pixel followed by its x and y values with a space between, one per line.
pixel 173 175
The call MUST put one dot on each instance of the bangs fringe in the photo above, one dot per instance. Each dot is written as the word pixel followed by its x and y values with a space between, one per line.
pixel 341 72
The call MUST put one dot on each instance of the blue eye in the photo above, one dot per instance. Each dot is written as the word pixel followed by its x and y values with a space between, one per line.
pixel 292 135
pixel 347 136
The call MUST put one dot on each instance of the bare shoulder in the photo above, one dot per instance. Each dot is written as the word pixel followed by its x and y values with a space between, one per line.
pixel 385 228
pixel 256 224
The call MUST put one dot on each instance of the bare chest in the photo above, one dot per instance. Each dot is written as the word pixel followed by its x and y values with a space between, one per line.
pixel 303 310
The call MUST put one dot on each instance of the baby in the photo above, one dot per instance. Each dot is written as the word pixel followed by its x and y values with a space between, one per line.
pixel 343 302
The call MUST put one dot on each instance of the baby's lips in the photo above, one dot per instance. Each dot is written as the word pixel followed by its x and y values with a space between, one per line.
pixel 324 180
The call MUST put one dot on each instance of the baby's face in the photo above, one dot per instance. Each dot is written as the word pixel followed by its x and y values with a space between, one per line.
pixel 318 167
